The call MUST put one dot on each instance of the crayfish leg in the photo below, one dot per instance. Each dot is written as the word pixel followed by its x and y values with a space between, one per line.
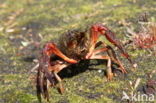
pixel 113 56
pixel 109 70
pixel 60 83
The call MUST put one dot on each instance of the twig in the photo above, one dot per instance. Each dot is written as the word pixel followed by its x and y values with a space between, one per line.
pixel 34 68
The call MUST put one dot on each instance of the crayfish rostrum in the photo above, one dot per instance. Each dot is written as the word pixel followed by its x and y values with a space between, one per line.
pixel 73 47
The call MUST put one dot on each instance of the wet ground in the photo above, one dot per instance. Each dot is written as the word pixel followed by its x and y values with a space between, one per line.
pixel 25 25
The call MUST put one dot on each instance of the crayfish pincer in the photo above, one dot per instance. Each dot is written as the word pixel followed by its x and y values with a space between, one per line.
pixel 74 46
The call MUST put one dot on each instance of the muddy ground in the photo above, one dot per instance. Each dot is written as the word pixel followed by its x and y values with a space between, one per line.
pixel 25 25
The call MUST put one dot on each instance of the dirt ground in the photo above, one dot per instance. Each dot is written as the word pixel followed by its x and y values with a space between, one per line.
pixel 26 25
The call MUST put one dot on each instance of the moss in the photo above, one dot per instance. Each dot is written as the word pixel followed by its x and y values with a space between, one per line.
pixel 15 88
pixel 50 19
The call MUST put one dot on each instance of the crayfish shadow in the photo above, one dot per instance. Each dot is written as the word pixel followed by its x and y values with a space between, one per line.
pixel 82 66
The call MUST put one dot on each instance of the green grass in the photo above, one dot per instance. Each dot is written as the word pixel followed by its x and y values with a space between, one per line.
pixel 24 20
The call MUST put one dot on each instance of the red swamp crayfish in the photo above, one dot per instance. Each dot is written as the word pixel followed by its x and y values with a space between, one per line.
pixel 73 47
